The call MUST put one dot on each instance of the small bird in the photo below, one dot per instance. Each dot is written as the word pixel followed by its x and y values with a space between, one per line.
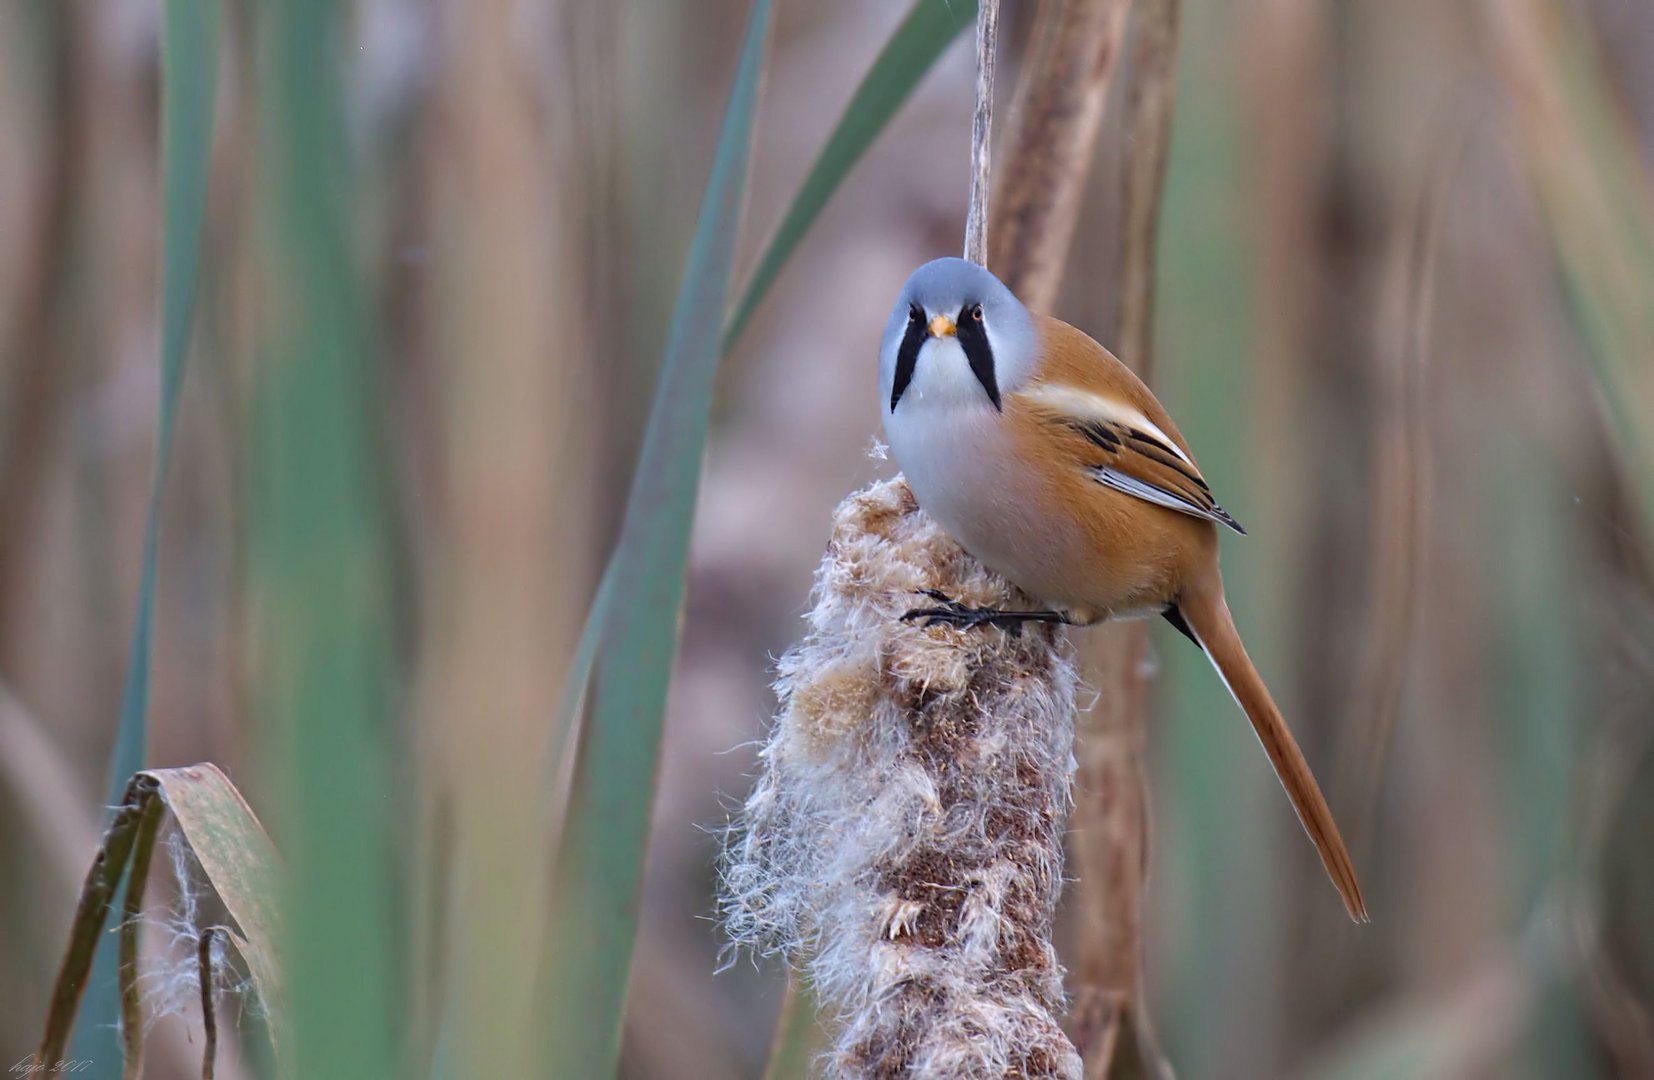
pixel 1048 460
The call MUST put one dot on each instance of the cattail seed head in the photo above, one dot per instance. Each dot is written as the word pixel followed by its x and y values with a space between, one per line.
pixel 903 842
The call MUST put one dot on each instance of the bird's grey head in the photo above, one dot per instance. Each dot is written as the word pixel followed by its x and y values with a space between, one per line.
pixel 957 335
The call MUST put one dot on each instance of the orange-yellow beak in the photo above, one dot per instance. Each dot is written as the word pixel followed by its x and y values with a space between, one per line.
pixel 942 326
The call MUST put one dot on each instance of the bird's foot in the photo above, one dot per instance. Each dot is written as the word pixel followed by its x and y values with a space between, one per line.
pixel 953 613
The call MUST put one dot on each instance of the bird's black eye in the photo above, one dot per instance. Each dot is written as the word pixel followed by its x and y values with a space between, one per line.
pixel 976 312
pixel 915 315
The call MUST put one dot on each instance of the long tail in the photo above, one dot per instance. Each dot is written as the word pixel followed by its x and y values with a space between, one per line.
pixel 1204 616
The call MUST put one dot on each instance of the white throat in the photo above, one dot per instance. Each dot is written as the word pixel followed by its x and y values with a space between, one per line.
pixel 942 379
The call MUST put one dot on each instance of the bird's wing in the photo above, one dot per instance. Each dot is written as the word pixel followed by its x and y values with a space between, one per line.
pixel 1120 447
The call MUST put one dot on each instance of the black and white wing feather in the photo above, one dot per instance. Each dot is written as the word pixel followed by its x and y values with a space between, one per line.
pixel 1124 450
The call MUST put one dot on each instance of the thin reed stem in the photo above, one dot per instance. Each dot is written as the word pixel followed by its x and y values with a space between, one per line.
pixel 976 219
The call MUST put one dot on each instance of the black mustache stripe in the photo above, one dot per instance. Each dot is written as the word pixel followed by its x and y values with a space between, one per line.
pixel 907 356
pixel 973 336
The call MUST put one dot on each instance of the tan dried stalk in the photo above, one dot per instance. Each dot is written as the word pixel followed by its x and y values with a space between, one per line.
pixel 1061 103
pixel 987 62
pixel 513 406
pixel 1059 106
pixel 35 349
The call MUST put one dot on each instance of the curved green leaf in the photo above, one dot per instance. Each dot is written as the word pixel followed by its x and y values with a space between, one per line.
pixel 616 688
pixel 189 80
pixel 600 861
pixel 930 27
pixel 189 76
pixel 927 31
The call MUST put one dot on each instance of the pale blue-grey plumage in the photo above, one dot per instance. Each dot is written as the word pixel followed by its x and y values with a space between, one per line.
pixel 947 287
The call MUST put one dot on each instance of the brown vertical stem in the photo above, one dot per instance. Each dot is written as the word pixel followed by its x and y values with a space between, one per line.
pixel 209 1016
pixel 1054 127
pixel 132 1013
pixel 1112 824
pixel 1111 852
pixel 1149 119
pixel 36 350
pixel 85 931
pixel 1061 101
pixel 510 333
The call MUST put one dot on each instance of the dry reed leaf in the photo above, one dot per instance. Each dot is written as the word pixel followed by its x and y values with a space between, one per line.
pixel 240 865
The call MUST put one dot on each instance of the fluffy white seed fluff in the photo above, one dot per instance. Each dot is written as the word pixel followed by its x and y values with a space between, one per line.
pixel 169 979
pixel 903 842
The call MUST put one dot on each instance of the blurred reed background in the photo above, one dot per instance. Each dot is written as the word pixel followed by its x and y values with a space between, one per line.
pixel 1405 316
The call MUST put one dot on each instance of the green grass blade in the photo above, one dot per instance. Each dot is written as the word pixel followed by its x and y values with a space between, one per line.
pixel 571 703
pixel 188 89
pixel 600 861
pixel 799 1036
pixel 927 31
pixel 930 27
pixel 320 566
pixel 189 79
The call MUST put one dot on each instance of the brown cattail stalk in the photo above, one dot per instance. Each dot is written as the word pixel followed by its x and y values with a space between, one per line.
pixel 904 839
pixel 1111 826
pixel 1060 107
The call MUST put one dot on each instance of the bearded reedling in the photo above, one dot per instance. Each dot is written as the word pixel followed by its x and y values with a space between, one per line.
pixel 1048 460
